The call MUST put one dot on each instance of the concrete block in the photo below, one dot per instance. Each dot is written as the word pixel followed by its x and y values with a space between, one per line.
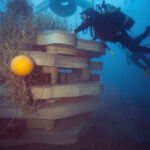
pixel 66 107
pixel 62 78
pixel 54 73
pixel 85 74
pixel 56 37
pixel 72 78
pixel 94 77
pixel 46 59
pixel 65 50
pixel 91 46
pixel 70 90
pixel 39 79
pixel 96 66
pixel 77 72
pixel 40 123
pixel 66 131
pixel 90 90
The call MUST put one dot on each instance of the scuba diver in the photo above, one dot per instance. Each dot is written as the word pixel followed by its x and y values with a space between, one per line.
pixel 111 24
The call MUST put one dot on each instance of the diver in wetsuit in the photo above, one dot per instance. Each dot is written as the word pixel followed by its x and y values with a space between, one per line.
pixel 136 57
pixel 112 26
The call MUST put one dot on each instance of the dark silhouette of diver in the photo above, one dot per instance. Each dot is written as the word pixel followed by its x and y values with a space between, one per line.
pixel 112 25
pixel 136 57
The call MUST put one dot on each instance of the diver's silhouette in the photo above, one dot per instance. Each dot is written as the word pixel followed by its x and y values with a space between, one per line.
pixel 136 57
pixel 111 25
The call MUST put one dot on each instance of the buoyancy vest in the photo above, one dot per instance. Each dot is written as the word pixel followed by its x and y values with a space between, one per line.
pixel 128 21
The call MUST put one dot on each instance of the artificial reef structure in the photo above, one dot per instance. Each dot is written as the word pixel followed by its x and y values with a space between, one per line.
pixel 64 87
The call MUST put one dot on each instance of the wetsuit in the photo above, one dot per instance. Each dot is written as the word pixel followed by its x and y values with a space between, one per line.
pixel 108 27
pixel 105 26
pixel 131 44
pixel 136 57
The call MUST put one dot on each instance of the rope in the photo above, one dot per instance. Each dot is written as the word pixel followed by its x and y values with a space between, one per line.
pixel 76 18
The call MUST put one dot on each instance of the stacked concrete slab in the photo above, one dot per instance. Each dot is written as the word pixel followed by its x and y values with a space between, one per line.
pixel 64 87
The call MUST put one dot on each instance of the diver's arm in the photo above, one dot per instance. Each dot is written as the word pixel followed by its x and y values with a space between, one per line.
pixel 83 26
pixel 143 35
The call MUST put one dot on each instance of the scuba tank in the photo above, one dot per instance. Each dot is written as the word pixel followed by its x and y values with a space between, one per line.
pixel 128 22
pixel 109 8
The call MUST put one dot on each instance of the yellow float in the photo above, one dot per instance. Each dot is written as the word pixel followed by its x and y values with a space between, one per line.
pixel 22 65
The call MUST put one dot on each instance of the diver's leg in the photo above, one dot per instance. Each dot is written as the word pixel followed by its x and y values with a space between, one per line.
pixel 136 48
pixel 130 43
pixel 140 49
pixel 143 35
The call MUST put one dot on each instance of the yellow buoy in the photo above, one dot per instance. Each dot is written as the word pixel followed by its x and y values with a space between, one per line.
pixel 22 65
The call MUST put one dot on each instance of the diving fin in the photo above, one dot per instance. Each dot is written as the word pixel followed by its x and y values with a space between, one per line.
pixel 148 70
pixel 106 46
pixel 112 53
